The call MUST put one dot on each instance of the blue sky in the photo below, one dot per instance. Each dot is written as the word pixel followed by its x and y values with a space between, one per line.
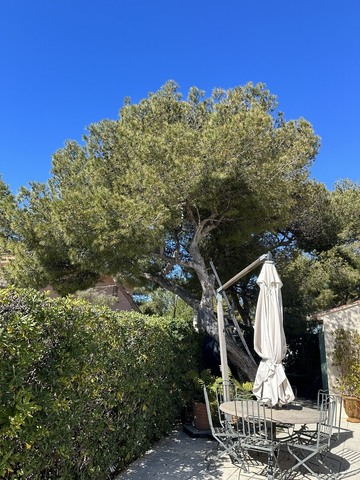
pixel 68 63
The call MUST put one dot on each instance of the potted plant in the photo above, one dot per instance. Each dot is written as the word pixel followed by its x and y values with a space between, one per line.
pixel 212 383
pixel 346 357
pixel 198 380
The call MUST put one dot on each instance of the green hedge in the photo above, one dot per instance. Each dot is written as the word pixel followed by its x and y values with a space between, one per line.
pixel 83 389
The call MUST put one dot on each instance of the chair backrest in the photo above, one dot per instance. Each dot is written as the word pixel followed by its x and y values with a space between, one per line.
pixel 208 410
pixel 224 424
pixel 255 419
pixel 329 417
pixel 223 418
pixel 331 406
pixel 219 396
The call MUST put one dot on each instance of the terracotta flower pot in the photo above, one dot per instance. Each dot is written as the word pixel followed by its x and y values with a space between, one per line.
pixel 201 421
pixel 352 408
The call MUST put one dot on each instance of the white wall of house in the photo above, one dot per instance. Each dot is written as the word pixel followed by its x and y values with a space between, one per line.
pixel 346 317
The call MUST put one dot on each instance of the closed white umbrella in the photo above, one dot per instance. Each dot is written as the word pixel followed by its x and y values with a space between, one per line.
pixel 271 383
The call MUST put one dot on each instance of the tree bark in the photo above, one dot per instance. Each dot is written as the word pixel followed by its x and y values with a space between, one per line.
pixel 204 309
pixel 237 356
pixel 208 321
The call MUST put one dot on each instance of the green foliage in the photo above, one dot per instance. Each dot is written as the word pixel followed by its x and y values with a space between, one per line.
pixel 95 297
pixel 346 357
pixel 200 379
pixel 175 182
pixel 7 206
pixel 212 383
pixel 146 193
pixel 162 302
pixel 82 388
pixel 321 270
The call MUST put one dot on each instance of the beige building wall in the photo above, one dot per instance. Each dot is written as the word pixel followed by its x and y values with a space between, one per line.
pixel 346 317
pixel 124 298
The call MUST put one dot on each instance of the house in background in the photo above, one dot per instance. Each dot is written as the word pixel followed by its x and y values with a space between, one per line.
pixel 124 299
pixel 346 317
pixel 119 297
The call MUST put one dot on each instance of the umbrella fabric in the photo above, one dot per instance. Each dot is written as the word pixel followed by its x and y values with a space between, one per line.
pixel 271 383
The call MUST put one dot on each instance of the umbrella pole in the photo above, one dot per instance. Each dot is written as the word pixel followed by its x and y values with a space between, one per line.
pixel 222 345
pixel 244 272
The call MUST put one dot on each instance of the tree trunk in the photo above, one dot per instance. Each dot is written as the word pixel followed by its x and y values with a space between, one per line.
pixel 207 318
pixel 237 356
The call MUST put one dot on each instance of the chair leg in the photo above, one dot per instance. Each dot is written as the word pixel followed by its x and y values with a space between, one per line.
pixel 273 464
pixel 302 461
pixel 229 448
pixel 321 458
pixel 219 451
pixel 270 466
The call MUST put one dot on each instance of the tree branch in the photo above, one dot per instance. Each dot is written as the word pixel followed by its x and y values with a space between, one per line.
pixel 176 289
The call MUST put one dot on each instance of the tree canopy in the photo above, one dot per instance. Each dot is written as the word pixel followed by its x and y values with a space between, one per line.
pixel 328 231
pixel 152 197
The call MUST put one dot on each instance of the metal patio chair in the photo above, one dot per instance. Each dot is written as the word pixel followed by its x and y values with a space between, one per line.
pixel 224 430
pixel 304 434
pixel 258 432
pixel 310 445
pixel 323 395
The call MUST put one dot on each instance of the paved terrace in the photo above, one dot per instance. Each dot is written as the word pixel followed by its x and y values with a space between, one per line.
pixel 181 457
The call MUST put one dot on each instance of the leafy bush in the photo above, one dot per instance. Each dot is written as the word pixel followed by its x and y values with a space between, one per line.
pixel 83 389
pixel 346 357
